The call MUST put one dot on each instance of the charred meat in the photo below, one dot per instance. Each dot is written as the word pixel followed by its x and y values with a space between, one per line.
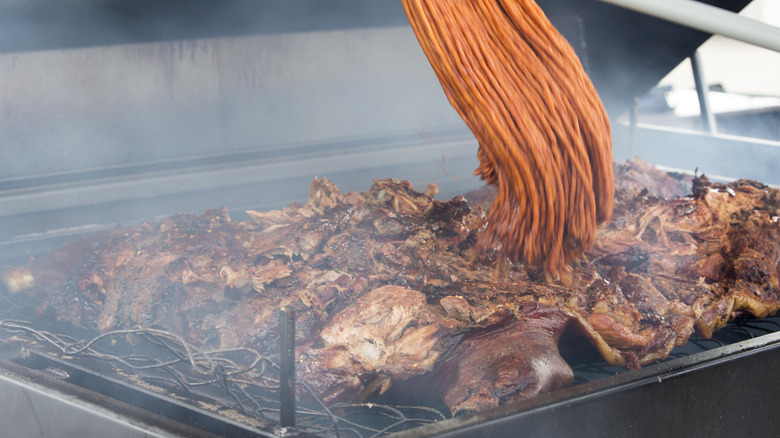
pixel 392 284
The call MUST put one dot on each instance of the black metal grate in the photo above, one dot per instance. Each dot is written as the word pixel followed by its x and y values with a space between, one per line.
pixel 740 329
pixel 241 386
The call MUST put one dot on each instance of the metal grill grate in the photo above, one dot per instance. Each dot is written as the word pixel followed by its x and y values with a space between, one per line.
pixel 241 385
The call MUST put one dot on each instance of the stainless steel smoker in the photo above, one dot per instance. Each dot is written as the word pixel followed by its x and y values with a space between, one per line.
pixel 117 111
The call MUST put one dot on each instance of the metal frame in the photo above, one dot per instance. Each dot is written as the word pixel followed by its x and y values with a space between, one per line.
pixel 708 19
pixel 39 403
pixel 696 402
pixel 264 179
pixel 720 156
pixel 707 116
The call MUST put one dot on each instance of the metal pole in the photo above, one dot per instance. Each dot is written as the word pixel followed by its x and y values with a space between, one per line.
pixel 633 121
pixel 287 368
pixel 707 116
pixel 708 19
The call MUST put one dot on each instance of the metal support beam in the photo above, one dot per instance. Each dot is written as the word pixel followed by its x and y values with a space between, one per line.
pixel 702 90
pixel 708 19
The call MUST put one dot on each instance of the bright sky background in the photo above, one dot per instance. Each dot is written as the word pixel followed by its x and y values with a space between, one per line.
pixel 738 66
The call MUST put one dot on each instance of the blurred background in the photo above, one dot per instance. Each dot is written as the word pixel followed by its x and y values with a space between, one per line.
pixel 744 81
pixel 736 66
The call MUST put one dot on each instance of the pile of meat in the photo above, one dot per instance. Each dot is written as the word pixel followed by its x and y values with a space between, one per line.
pixel 391 284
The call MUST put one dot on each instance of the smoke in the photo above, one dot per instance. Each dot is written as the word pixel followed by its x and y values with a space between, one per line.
pixel 120 111
pixel 181 105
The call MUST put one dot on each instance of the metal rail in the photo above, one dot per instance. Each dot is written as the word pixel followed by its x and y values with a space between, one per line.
pixel 708 19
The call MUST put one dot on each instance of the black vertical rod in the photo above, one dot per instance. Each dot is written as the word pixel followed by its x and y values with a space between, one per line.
pixel 287 367
pixel 707 116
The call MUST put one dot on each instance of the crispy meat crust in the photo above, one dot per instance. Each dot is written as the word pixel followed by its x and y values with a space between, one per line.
pixel 390 284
